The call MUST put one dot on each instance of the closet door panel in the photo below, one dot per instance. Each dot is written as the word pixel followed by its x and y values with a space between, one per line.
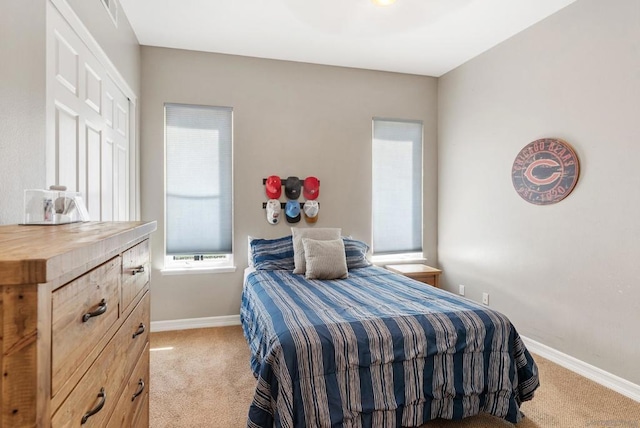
pixel 88 149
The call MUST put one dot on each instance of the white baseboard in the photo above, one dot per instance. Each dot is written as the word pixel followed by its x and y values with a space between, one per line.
pixel 186 324
pixel 593 373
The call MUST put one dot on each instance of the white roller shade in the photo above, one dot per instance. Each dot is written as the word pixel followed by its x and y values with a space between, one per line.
pixel 397 186
pixel 198 179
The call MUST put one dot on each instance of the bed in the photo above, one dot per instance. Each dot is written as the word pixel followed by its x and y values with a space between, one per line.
pixel 376 349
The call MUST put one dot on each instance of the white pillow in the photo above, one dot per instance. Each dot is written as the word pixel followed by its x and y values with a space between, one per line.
pixel 317 233
pixel 325 259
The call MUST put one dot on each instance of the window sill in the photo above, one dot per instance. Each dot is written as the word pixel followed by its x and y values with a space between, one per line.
pixel 197 270
pixel 396 260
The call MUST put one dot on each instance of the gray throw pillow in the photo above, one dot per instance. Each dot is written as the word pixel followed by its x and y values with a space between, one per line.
pixel 325 259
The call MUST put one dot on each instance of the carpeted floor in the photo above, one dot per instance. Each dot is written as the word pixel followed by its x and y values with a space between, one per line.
pixel 201 379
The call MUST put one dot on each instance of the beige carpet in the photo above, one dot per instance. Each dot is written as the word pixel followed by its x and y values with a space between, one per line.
pixel 201 379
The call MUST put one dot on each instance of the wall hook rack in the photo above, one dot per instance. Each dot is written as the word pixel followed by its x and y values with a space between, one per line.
pixel 284 204
pixel 283 181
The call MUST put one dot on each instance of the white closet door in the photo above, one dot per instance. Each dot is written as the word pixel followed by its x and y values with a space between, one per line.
pixel 88 123
pixel 119 133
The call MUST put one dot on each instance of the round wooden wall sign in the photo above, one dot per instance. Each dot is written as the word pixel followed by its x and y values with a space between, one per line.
pixel 545 171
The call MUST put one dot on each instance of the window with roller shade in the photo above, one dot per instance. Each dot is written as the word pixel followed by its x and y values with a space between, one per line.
pixel 397 188
pixel 198 188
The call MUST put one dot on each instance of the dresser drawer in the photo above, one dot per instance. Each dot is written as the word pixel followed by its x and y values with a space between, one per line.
pixel 135 272
pixel 97 393
pixel 141 418
pixel 82 312
pixel 108 374
pixel 134 400
pixel 135 332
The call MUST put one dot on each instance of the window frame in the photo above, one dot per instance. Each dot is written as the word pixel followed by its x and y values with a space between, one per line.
pixel 405 256
pixel 189 263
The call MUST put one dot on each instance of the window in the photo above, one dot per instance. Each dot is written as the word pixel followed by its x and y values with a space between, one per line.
pixel 397 188
pixel 198 198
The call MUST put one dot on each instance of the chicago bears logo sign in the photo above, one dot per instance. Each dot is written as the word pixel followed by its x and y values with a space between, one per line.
pixel 545 171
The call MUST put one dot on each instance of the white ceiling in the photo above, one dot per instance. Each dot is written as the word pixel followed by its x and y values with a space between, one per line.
pixel 427 37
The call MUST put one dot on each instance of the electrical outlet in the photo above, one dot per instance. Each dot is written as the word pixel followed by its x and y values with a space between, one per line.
pixel 485 299
pixel 461 290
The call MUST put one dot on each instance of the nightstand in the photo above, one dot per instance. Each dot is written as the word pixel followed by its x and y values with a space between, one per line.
pixel 419 272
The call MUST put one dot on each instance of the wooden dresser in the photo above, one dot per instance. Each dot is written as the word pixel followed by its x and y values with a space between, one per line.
pixel 74 319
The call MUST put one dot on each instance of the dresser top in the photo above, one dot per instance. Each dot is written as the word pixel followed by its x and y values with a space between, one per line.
pixel 37 254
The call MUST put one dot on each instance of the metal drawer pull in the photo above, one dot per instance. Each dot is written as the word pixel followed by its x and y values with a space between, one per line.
pixel 139 331
pixel 102 308
pixel 103 398
pixel 139 269
pixel 139 391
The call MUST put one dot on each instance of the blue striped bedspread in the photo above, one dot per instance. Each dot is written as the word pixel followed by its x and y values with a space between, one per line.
pixel 377 350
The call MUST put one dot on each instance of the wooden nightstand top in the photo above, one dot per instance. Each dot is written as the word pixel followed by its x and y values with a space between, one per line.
pixel 419 272
pixel 413 268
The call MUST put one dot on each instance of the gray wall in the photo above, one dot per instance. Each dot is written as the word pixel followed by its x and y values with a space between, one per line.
pixel 289 119
pixel 566 274
pixel 23 89
pixel 22 104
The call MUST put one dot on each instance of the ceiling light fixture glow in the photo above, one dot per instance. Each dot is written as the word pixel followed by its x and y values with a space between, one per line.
pixel 383 2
